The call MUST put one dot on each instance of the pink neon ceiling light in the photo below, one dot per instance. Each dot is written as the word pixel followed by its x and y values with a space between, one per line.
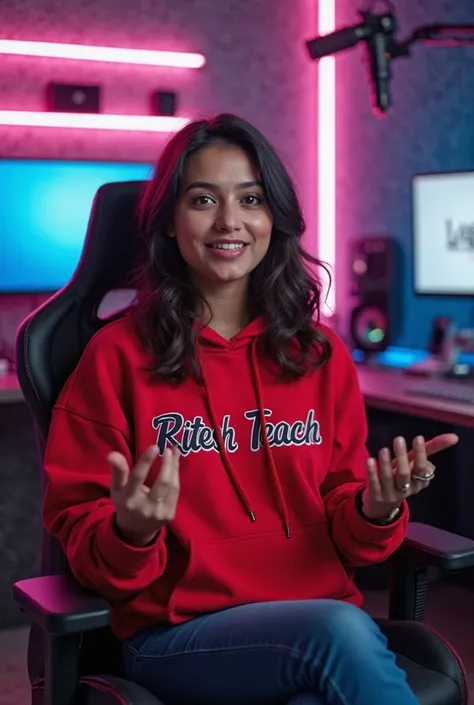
pixel 145 57
pixel 130 123
pixel 327 151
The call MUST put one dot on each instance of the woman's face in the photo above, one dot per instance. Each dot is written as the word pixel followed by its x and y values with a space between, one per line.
pixel 221 222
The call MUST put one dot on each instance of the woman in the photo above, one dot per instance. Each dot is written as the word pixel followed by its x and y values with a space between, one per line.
pixel 206 460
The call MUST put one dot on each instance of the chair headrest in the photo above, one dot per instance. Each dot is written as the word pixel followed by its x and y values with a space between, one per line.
pixel 52 339
pixel 113 246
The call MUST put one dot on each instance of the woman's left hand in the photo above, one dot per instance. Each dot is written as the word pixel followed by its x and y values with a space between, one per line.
pixel 392 481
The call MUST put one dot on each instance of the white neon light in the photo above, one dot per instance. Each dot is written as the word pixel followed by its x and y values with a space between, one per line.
pixel 87 121
pixel 327 152
pixel 116 55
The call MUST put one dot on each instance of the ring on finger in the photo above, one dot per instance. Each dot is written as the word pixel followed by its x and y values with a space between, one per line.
pixel 405 487
pixel 425 478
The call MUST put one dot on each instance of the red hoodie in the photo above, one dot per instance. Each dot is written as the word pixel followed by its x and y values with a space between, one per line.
pixel 301 479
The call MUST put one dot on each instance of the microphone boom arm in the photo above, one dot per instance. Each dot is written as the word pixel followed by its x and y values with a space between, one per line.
pixel 378 34
pixel 437 35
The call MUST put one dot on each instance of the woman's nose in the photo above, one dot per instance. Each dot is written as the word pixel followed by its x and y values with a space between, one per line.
pixel 228 219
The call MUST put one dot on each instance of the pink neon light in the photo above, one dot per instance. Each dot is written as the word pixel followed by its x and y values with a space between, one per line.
pixel 115 55
pixel 327 151
pixel 130 123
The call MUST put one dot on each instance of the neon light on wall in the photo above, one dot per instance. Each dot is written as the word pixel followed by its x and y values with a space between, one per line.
pixel 130 123
pixel 145 57
pixel 327 151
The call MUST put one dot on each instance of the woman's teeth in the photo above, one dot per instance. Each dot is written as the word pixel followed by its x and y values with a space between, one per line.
pixel 228 246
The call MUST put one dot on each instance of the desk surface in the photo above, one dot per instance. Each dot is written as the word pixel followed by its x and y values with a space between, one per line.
pixel 385 389
pixel 9 389
pixel 382 389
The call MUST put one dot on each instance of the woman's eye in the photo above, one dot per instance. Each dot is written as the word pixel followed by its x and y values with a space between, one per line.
pixel 202 200
pixel 252 200
pixel 249 200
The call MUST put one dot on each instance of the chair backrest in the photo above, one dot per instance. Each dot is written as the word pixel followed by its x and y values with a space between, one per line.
pixel 51 340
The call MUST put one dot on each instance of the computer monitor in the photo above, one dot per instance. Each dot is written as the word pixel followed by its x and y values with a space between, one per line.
pixel 443 233
pixel 44 210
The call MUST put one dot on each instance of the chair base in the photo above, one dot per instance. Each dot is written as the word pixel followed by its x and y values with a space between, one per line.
pixel 102 690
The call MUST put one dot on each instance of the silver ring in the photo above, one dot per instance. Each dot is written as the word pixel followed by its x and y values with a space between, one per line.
pixel 405 487
pixel 425 478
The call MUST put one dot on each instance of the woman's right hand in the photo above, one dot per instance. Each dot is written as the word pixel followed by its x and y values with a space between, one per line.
pixel 141 511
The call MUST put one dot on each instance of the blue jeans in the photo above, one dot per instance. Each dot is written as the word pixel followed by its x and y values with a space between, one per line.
pixel 308 652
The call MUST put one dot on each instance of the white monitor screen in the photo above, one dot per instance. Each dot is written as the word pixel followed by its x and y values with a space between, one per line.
pixel 443 234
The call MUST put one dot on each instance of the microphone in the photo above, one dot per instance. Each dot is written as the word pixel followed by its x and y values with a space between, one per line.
pixel 378 34
pixel 340 40
pixel 379 44
pixel 379 73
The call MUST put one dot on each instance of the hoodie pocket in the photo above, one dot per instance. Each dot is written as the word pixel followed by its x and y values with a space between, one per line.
pixel 262 567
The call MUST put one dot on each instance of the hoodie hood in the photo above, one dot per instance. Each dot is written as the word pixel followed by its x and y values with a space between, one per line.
pixel 210 339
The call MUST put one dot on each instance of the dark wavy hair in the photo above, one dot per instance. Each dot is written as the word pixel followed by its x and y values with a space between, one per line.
pixel 281 287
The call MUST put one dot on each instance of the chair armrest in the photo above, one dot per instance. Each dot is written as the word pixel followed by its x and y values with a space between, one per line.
pixel 427 546
pixel 60 605
pixel 424 547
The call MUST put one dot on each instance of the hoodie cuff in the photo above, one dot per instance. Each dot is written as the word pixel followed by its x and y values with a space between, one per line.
pixel 364 531
pixel 122 557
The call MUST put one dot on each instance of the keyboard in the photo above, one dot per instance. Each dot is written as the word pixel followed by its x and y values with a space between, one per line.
pixel 440 389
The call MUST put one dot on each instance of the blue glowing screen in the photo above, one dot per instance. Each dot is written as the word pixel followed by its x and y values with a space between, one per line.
pixel 44 211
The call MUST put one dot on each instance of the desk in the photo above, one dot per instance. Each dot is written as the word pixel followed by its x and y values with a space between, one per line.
pixel 382 388
pixel 10 389
pixel 385 389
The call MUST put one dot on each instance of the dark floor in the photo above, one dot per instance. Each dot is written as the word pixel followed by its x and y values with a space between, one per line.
pixel 450 611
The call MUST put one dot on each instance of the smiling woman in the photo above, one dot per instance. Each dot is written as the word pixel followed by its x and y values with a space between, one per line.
pixel 235 552
pixel 225 227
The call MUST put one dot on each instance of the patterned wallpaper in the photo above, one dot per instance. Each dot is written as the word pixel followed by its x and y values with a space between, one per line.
pixel 430 127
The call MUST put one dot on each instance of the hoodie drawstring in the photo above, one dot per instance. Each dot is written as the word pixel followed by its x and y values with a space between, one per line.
pixel 273 468
pixel 283 508
pixel 222 449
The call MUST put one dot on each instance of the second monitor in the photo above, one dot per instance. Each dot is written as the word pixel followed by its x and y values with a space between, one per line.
pixel 443 233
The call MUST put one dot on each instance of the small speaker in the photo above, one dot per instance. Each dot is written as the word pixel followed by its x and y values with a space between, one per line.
pixel 164 103
pixel 65 98
pixel 375 293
